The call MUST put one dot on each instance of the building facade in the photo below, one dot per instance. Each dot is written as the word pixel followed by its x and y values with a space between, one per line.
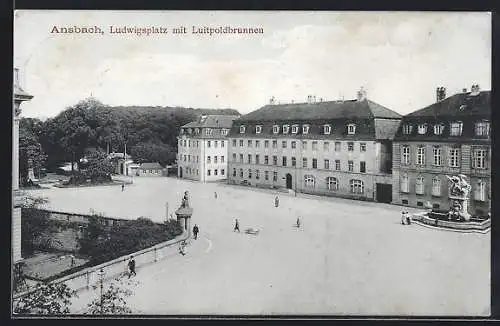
pixel 203 147
pixel 449 137
pixel 150 170
pixel 19 96
pixel 335 148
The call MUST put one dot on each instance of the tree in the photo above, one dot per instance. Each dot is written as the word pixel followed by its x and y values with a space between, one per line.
pixel 48 299
pixel 150 152
pixel 35 224
pixel 31 155
pixel 111 300
pixel 98 166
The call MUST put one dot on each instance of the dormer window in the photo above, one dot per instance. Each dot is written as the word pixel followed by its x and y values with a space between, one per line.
pixel 286 128
pixel 407 129
pixel 351 129
pixel 456 128
pixel 295 129
pixel 182 131
pixel 305 129
pixel 224 132
pixel 438 129
pixel 422 129
pixel 190 131
pixel 482 128
pixel 276 129
pixel 258 129
pixel 197 131
pixel 208 131
pixel 242 129
pixel 327 129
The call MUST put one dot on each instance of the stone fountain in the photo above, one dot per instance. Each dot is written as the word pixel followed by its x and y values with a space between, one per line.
pixel 459 198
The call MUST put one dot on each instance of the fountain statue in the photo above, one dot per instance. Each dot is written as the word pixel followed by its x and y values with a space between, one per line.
pixel 459 197
pixel 184 212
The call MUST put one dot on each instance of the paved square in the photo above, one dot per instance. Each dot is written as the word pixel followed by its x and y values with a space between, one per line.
pixel 349 257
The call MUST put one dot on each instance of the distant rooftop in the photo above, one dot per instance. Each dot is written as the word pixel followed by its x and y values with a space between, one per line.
pixel 212 121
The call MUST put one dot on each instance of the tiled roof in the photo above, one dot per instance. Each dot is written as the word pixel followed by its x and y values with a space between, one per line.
pixel 351 109
pixel 212 121
pixel 462 104
pixel 155 165
pixel 386 128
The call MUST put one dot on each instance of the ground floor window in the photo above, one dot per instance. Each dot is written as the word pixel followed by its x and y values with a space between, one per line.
pixel 234 172
pixel 275 176
pixel 266 175
pixel 249 173
pixel 404 201
pixel 309 181
pixel 436 186
pixel 419 186
pixel 222 172
pixel 356 186
pixel 257 176
pixel 209 172
pixel 480 191
pixel 241 173
pixel 215 172
pixel 332 183
pixel 435 206
pixel 405 184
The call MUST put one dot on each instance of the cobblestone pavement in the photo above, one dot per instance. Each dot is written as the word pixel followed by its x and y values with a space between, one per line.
pixel 348 257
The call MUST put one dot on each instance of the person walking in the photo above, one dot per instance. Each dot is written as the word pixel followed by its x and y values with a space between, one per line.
pixel 298 222
pixel 215 194
pixel 236 226
pixel 408 218
pixel 403 217
pixel 123 186
pixel 276 201
pixel 195 231
pixel 131 267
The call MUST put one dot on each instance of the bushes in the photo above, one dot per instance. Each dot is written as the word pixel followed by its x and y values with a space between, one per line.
pixel 104 244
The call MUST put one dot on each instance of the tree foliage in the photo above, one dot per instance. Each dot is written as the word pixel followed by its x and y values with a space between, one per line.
pixel 104 244
pixel 35 224
pixel 31 153
pixel 113 299
pixel 47 299
pixel 90 123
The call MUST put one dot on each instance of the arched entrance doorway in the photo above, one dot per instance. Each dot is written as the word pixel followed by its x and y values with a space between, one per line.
pixel 288 181
pixel 180 172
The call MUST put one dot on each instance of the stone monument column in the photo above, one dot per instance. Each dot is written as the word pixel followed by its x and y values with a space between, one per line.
pixel 184 214
pixel 19 96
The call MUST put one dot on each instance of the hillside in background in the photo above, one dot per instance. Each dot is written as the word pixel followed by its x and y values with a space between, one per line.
pixel 149 133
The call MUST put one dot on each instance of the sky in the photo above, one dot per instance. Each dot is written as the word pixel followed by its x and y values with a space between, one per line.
pixel 399 58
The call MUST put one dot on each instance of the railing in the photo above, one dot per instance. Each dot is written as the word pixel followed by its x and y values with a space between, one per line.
pixel 88 277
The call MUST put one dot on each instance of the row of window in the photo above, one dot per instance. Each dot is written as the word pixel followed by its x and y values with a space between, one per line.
pixel 294 129
pixel 209 160
pixel 331 183
pixel 196 143
pixel 305 162
pixel 209 172
pixel 481 128
pixel 208 131
pixel 293 145
pixel 479 156
pixel 216 159
pixel 479 187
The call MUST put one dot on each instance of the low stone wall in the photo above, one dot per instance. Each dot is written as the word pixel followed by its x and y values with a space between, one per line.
pixel 458 226
pixel 89 277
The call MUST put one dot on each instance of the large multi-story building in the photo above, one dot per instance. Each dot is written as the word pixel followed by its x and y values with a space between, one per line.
pixel 202 148
pixel 447 138
pixel 337 148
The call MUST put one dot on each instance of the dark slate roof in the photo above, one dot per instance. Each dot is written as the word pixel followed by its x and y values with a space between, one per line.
pixel 151 166
pixel 350 109
pixel 212 121
pixel 386 128
pixel 462 104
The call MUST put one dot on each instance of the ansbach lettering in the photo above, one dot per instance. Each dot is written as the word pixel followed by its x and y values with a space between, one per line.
pixel 77 30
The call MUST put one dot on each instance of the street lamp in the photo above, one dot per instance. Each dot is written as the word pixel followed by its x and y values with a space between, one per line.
pixel 101 274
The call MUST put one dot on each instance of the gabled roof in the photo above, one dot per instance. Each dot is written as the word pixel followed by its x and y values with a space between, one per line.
pixel 462 104
pixel 154 165
pixel 350 109
pixel 212 121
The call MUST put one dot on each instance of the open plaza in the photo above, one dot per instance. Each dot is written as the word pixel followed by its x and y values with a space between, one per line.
pixel 348 257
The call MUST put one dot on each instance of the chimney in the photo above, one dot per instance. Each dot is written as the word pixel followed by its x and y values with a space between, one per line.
pixel 440 94
pixel 474 90
pixel 16 77
pixel 321 99
pixel 309 99
pixel 272 100
pixel 361 94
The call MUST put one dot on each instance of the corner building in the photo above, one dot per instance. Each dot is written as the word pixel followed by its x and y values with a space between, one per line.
pixel 334 148
pixel 449 137
pixel 202 148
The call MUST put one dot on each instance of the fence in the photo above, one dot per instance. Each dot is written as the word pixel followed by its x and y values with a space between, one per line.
pixel 89 277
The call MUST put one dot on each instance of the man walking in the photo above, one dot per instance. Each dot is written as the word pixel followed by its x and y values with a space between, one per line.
pixel 131 267
pixel 236 226
pixel 195 231
pixel 276 201
pixel 123 186
pixel 215 194
pixel 298 222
